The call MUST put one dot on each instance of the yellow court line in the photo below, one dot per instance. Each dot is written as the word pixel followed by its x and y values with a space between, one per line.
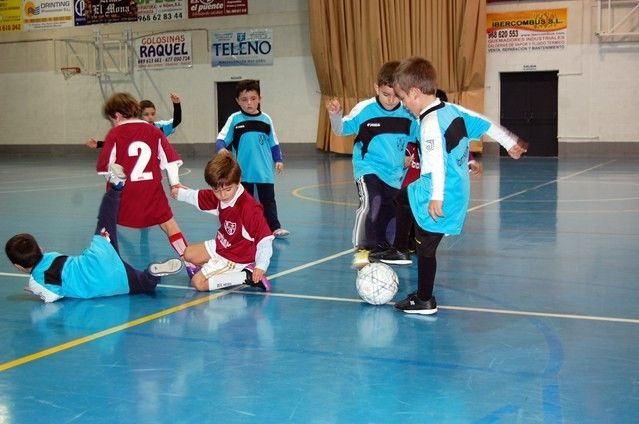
pixel 109 331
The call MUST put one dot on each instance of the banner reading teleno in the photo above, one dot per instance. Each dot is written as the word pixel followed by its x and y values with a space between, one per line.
pixel 10 15
pixel 212 8
pixel 161 10
pixel 253 47
pixel 170 50
pixel 106 11
pixel 530 30
pixel 47 14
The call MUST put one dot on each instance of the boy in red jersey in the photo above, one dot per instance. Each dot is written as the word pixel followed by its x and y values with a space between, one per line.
pixel 241 251
pixel 143 152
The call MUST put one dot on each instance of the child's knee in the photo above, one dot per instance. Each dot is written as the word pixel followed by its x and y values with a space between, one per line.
pixel 190 254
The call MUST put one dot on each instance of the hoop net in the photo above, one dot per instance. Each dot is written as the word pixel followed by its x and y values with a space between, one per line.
pixel 70 71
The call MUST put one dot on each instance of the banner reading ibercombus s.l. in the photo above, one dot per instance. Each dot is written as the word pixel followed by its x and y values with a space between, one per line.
pixel 529 30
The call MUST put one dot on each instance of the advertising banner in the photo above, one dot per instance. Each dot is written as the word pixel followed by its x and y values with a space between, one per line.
pixel 170 50
pixel 253 47
pixel 10 15
pixel 47 14
pixel 530 30
pixel 109 11
pixel 161 10
pixel 212 8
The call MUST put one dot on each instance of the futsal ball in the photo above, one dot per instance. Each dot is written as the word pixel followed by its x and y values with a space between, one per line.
pixel 377 283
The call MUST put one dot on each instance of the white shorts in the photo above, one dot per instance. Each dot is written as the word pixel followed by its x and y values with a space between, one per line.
pixel 209 245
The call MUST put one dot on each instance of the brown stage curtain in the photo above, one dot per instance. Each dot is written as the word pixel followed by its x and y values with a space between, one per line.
pixel 351 39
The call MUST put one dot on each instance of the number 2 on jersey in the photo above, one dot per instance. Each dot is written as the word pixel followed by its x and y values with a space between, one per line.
pixel 143 152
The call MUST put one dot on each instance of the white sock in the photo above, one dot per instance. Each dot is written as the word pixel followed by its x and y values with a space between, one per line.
pixel 227 279
pixel 221 273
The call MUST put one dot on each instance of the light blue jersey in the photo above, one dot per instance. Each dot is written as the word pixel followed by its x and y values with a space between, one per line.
pixel 252 138
pixel 97 271
pixel 165 126
pixel 446 130
pixel 382 137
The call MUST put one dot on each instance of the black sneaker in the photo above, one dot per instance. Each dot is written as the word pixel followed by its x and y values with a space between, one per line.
pixel 391 256
pixel 263 284
pixel 414 305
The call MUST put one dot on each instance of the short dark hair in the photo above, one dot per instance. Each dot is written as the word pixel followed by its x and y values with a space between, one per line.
pixel 247 85
pixel 222 170
pixel 23 249
pixel 146 103
pixel 124 103
pixel 416 72
pixel 386 72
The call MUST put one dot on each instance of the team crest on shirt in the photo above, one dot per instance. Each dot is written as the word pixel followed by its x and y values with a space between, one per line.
pixel 230 227
pixel 429 144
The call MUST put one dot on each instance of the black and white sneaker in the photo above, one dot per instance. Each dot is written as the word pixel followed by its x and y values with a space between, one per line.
pixel 391 256
pixel 263 284
pixel 414 305
pixel 168 267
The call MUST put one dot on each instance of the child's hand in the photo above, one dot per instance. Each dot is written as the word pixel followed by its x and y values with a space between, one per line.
pixel 257 275
pixel 435 209
pixel 199 282
pixel 175 190
pixel 476 168
pixel 407 161
pixel 175 98
pixel 518 149
pixel 333 106
pixel 279 167
pixel 91 143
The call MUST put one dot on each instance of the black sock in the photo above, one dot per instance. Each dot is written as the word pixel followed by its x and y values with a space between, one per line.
pixel 426 269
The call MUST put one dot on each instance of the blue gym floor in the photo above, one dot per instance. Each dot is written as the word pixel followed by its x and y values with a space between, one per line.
pixel 538 319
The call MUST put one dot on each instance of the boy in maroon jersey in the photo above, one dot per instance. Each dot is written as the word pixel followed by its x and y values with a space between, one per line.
pixel 241 251
pixel 143 152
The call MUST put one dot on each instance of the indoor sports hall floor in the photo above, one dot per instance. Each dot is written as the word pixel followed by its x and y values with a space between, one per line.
pixel 538 323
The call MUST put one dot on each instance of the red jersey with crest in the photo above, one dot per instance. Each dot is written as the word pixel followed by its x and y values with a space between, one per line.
pixel 242 225
pixel 143 151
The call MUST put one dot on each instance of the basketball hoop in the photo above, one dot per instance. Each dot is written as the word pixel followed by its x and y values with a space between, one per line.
pixel 68 72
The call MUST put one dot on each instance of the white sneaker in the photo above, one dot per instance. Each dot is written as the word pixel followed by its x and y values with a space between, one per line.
pixel 116 176
pixel 168 267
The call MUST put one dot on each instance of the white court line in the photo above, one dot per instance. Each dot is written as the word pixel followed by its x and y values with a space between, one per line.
pixel 539 186
pixel 350 300
pixel 459 308
pixel 51 188
pixel 13 274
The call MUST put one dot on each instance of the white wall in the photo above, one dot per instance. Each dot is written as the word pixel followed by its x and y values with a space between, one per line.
pixel 40 107
pixel 598 81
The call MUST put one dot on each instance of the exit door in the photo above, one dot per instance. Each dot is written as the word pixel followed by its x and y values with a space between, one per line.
pixel 528 105
pixel 226 104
